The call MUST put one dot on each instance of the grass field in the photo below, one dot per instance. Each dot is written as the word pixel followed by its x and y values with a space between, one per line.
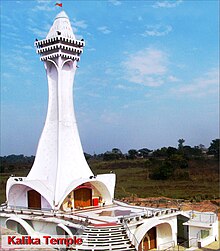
pixel 133 180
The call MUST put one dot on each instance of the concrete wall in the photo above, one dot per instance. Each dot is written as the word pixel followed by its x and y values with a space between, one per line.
pixel 164 236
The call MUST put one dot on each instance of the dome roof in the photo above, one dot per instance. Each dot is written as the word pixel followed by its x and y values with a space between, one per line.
pixel 61 26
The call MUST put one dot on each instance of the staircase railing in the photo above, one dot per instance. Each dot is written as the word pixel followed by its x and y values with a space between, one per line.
pixel 188 242
pixel 130 235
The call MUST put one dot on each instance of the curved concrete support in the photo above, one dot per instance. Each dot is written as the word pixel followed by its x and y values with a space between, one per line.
pixel 26 229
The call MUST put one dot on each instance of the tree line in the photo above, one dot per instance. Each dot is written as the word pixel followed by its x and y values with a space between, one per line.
pixel 164 163
pixel 164 152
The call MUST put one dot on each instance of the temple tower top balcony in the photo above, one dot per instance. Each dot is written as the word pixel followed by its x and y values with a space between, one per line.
pixel 60 41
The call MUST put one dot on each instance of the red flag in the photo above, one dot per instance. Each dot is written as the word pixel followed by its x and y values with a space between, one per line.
pixel 59 4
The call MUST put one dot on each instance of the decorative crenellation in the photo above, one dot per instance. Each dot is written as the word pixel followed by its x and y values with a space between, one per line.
pixel 60 54
pixel 59 46
pixel 43 42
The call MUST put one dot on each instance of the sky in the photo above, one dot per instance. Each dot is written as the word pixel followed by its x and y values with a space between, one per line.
pixel 148 76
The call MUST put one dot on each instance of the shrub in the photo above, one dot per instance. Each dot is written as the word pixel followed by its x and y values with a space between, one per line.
pixel 163 172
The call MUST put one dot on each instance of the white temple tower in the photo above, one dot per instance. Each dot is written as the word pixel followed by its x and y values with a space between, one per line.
pixel 60 177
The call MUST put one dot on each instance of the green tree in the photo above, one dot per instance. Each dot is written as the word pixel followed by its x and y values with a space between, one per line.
pixel 214 148
pixel 171 151
pixel 115 154
pixel 118 152
pixel 160 152
pixel 132 154
pixel 178 161
pixel 180 145
pixel 144 152
pixel 190 152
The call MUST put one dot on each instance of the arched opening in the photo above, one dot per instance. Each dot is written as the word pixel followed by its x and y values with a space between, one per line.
pixel 82 197
pixel 87 194
pixel 19 225
pixel 150 239
pixel 34 199
pixel 158 236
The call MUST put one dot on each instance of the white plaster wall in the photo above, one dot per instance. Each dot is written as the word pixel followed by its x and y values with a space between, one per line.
pixel 193 235
pixel 71 162
pixel 18 196
pixel 164 236
pixel 44 203
pixel 206 241
pixel 44 167
pixel 109 180
pixel 44 227
pixel 214 230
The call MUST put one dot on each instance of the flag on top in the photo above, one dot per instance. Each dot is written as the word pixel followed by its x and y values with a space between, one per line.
pixel 59 4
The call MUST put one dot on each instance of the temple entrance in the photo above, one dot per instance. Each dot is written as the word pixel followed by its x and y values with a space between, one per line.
pixel 34 199
pixel 150 241
pixel 82 197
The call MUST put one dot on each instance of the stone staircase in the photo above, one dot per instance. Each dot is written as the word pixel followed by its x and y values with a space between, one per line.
pixel 105 238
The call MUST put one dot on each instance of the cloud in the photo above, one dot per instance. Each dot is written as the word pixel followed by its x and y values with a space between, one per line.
pixel 42 32
pixel 115 2
pixel 157 30
pixel 9 26
pixel 172 78
pixel 79 24
pixel 38 32
pixel 11 36
pixel 28 47
pixel 18 57
pixel 6 75
pixel 93 95
pixel 104 30
pixel 202 86
pixel 123 87
pixel 46 5
pixel 167 4
pixel 146 67
pixel 91 49
pixel 108 117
